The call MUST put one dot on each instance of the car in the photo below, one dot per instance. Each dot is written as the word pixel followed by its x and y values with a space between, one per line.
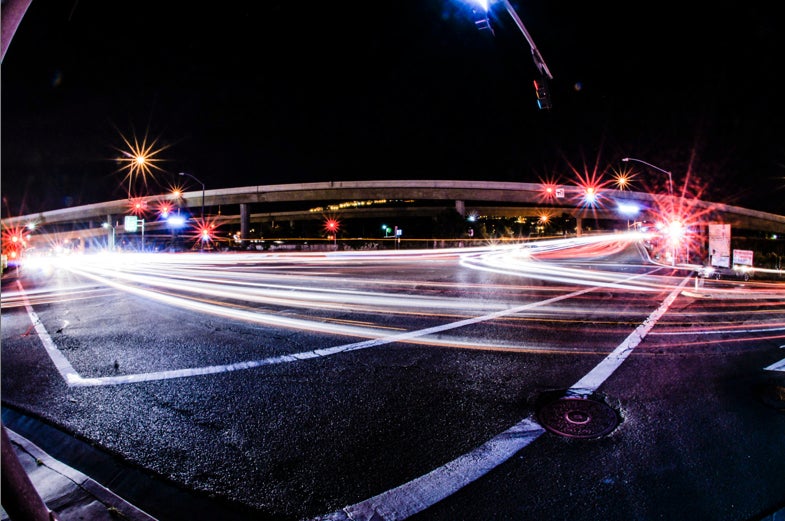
pixel 740 272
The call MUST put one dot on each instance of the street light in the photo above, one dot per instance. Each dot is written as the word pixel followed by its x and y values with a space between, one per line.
pixel 106 225
pixel 670 176
pixel 201 183
pixel 674 231
pixel 541 86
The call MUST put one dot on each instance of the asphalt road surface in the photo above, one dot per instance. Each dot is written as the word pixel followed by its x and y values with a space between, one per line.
pixel 564 379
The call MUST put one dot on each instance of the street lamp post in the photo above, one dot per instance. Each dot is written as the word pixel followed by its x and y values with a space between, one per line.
pixel 670 176
pixel 673 229
pixel 541 86
pixel 112 237
pixel 201 183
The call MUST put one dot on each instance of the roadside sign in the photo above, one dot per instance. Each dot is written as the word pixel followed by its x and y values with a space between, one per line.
pixel 560 193
pixel 719 245
pixel 742 257
pixel 130 224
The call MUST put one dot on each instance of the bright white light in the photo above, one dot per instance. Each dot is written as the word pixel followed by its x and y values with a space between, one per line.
pixel 590 196
pixel 175 220
pixel 676 229
pixel 482 4
pixel 629 208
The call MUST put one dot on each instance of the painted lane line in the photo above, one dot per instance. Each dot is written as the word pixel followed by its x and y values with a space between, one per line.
pixel 413 497
pixel 61 363
pixel 422 492
pixel 316 353
pixel 75 379
pixel 777 366
pixel 591 381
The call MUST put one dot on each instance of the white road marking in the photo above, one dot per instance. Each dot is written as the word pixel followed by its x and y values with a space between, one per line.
pixel 74 379
pixel 61 363
pixel 776 366
pixel 420 493
pixel 589 383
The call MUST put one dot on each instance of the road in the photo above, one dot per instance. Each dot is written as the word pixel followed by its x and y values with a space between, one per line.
pixel 560 379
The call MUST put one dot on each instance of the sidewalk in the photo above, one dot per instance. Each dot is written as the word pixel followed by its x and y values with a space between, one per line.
pixel 63 493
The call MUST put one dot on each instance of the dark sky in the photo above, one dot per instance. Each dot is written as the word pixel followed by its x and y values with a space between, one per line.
pixel 253 93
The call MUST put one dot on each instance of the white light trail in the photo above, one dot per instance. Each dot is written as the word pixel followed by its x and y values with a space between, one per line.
pixel 188 282
pixel 420 493
pixel 74 379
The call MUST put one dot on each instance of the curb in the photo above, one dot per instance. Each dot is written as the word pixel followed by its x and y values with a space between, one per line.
pixel 67 492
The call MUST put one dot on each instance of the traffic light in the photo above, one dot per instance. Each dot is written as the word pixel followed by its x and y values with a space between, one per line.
pixel 543 94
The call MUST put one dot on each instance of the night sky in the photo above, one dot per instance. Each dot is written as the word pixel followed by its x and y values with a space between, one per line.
pixel 248 93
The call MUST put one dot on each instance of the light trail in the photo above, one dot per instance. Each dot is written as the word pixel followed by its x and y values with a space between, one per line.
pixel 13 299
pixel 230 286
pixel 199 283
pixel 74 379
pixel 420 493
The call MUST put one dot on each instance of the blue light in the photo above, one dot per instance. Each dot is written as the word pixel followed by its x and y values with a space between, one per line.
pixel 175 221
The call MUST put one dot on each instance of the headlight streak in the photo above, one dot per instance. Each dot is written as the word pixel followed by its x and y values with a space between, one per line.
pixel 14 299
pixel 528 263
pixel 378 339
pixel 509 262
pixel 236 314
pixel 225 285
pixel 290 296
pixel 115 279
pixel 319 324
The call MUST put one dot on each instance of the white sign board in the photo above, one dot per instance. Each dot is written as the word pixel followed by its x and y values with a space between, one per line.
pixel 719 245
pixel 742 257
pixel 130 223
pixel 560 193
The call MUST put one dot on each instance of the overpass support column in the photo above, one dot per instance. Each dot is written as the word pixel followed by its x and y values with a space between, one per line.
pixel 110 231
pixel 460 207
pixel 578 226
pixel 245 224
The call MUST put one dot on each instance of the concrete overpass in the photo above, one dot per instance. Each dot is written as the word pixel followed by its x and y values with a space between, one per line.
pixel 264 202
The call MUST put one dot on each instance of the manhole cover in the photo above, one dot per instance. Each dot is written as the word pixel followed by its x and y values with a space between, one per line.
pixel 578 417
